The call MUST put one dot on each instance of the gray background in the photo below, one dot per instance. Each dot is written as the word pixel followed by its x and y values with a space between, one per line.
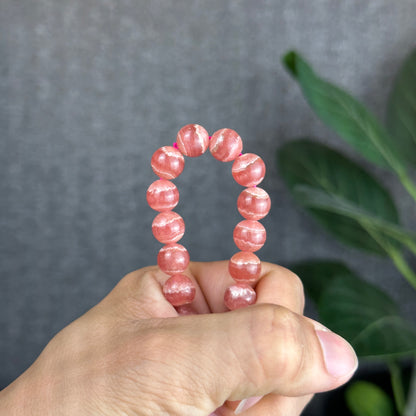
pixel 89 89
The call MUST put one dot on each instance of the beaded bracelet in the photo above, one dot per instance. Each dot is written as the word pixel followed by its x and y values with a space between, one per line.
pixel 168 227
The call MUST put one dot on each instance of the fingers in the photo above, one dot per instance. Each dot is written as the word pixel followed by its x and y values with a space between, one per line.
pixel 268 349
pixel 277 285
pixel 139 296
pixel 213 278
pixel 140 292
pixel 260 350
pixel 280 286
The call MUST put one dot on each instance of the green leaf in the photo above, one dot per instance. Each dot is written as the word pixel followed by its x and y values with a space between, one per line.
pixel 305 164
pixel 344 114
pixel 314 198
pixel 401 110
pixel 316 275
pixel 367 399
pixel 367 317
pixel 359 311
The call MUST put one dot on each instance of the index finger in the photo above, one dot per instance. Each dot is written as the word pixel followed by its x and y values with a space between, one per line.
pixel 277 285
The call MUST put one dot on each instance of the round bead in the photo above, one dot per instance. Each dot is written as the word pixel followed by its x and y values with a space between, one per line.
pixel 244 267
pixel 167 162
pixel 162 195
pixel 168 227
pixel 179 290
pixel 173 259
pixel 185 310
pixel 239 296
pixel 192 140
pixel 225 145
pixel 248 169
pixel 249 235
pixel 253 203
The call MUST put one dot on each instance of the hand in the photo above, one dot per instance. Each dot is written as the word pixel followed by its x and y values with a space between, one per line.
pixel 131 355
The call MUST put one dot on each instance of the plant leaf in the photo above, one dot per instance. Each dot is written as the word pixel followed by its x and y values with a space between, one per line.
pixel 344 114
pixel 359 311
pixel 304 163
pixel 316 275
pixel 315 198
pixel 401 110
pixel 367 317
pixel 367 399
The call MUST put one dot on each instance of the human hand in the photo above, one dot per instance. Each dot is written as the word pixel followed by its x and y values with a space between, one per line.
pixel 132 355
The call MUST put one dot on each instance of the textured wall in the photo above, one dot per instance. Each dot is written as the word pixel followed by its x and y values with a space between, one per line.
pixel 89 89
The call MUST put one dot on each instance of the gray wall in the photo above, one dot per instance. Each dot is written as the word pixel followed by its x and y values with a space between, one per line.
pixel 89 89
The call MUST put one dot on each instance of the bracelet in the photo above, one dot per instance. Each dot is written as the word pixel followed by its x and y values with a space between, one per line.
pixel 168 227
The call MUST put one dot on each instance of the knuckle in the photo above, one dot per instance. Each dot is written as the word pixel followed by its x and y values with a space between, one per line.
pixel 138 278
pixel 295 284
pixel 279 342
pixel 139 294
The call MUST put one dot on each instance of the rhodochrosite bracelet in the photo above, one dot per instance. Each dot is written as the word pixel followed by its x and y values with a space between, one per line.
pixel 168 227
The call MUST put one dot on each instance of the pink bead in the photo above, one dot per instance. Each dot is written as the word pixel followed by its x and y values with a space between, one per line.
pixel 253 203
pixel 249 235
pixel 225 145
pixel 179 290
pixel 167 162
pixel 173 259
pixel 192 140
pixel 248 169
pixel 162 195
pixel 168 227
pixel 239 296
pixel 186 310
pixel 244 267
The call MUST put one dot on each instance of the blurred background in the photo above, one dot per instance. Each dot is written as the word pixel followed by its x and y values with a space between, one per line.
pixel 89 89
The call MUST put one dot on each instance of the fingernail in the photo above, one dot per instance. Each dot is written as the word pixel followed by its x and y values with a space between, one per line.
pixel 246 404
pixel 340 358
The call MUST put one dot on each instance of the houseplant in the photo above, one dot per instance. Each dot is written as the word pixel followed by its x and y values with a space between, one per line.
pixel 352 205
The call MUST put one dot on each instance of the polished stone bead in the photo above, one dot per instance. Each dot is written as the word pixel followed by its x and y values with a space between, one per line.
pixel 168 227
pixel 179 290
pixel 162 195
pixel 249 235
pixel 186 310
pixel 173 259
pixel 244 267
pixel 248 169
pixel 239 296
pixel 253 203
pixel 225 145
pixel 167 162
pixel 192 140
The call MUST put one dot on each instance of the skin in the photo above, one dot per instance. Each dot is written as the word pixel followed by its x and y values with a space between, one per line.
pixel 132 355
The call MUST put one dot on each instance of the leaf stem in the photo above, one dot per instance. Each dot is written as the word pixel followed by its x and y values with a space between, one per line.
pixel 410 245
pixel 402 265
pixel 395 254
pixel 407 183
pixel 397 385
pixel 410 409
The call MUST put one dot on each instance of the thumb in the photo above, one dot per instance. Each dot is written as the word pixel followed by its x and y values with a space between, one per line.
pixel 259 350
